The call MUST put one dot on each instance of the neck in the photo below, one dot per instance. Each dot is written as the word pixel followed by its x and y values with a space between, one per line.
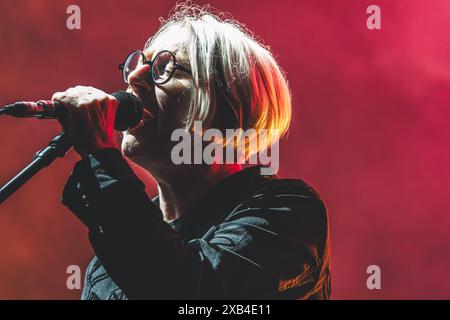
pixel 180 187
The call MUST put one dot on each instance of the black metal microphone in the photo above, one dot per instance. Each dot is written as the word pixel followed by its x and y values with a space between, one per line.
pixel 128 114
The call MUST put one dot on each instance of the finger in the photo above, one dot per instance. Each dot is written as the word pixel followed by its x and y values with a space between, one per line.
pixel 57 95
pixel 70 103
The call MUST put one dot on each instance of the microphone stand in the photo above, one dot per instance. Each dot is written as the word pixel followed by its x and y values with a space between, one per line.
pixel 57 147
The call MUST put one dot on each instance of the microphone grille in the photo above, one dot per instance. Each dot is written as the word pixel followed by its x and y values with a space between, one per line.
pixel 129 112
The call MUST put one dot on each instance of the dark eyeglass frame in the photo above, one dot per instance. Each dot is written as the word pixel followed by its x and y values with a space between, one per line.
pixel 175 67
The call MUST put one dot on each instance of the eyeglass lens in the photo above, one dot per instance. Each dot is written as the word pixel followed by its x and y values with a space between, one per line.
pixel 162 67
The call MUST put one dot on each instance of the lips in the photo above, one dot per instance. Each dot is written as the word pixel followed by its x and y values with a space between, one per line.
pixel 147 117
pixel 140 90
pixel 147 114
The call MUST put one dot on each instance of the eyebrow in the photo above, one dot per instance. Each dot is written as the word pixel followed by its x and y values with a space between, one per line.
pixel 182 61
pixel 154 52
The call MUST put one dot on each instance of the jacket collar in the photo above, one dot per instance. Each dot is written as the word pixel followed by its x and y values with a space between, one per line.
pixel 218 202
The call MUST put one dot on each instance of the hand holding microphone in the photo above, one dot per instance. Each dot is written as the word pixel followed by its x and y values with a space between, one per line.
pixel 91 115
pixel 91 118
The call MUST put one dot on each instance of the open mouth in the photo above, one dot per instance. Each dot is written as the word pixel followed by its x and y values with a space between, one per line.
pixel 147 116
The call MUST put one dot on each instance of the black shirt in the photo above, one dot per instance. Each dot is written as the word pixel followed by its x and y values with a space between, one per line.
pixel 249 237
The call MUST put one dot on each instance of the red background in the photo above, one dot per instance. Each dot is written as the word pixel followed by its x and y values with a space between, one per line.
pixel 370 130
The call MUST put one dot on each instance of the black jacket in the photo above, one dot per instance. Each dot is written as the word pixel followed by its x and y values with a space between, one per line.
pixel 250 237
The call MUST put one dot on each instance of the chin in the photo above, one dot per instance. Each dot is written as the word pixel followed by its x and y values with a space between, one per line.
pixel 131 148
pixel 138 150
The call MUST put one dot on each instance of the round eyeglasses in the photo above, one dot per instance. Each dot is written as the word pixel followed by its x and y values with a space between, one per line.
pixel 163 66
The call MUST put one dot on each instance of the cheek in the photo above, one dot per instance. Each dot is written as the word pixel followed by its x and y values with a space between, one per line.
pixel 162 98
pixel 174 107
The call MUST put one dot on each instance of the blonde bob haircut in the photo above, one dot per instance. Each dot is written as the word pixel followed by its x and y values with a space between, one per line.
pixel 237 82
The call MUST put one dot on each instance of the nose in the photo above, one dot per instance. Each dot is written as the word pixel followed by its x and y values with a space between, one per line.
pixel 139 76
pixel 138 85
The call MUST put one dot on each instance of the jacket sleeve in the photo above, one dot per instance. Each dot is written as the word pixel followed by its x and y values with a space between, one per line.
pixel 254 252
